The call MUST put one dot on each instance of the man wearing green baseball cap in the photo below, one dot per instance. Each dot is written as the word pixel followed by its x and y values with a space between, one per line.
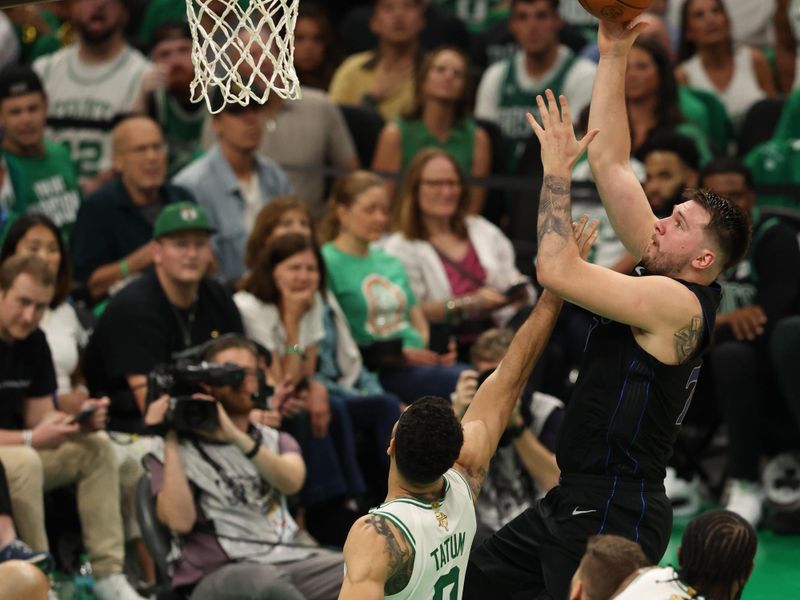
pixel 169 308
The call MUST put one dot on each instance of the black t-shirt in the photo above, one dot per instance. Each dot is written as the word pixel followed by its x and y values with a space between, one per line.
pixel 627 407
pixel 140 330
pixel 26 371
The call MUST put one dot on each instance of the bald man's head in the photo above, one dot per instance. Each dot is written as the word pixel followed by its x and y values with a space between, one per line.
pixel 22 580
pixel 139 155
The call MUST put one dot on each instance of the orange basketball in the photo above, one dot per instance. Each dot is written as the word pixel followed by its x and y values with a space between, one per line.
pixel 615 10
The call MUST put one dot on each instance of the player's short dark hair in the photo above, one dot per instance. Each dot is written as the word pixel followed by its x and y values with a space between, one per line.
pixel 25 264
pixel 717 552
pixel 724 165
pixel 608 560
pixel 427 440
pixel 553 3
pixel 730 225
pixel 679 145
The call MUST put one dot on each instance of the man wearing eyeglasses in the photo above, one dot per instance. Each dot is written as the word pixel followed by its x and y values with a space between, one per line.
pixel 111 240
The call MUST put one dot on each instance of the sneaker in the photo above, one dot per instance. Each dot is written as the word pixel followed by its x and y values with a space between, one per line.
pixel 19 550
pixel 115 587
pixel 745 498
pixel 684 494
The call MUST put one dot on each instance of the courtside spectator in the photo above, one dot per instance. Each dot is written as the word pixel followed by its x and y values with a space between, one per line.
pixel 115 224
pixel 47 182
pixel 383 78
pixel 42 448
pixel 316 54
pixel 90 84
pixel 607 562
pixel 671 162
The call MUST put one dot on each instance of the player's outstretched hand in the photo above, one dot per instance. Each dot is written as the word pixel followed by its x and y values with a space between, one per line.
pixel 585 233
pixel 560 148
pixel 616 39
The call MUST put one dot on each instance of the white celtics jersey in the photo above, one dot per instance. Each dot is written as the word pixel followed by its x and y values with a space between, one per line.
pixel 657 583
pixel 441 534
pixel 84 101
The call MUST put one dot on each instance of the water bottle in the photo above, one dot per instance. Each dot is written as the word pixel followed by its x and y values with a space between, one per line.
pixel 84 580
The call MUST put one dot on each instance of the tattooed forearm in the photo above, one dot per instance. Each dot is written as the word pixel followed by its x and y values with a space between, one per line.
pixel 475 479
pixel 687 339
pixel 554 214
pixel 401 556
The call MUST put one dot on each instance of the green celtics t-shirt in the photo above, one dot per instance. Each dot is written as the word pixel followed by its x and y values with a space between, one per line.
pixel 374 294
pixel 48 185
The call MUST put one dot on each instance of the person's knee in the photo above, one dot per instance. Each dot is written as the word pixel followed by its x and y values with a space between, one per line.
pixel 96 452
pixel 22 580
pixel 23 467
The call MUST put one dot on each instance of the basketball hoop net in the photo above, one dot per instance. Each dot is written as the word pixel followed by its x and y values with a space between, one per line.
pixel 242 50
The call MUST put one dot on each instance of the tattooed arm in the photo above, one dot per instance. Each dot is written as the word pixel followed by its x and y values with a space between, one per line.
pixel 378 558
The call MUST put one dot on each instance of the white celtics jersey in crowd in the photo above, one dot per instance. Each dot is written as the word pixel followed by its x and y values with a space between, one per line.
pixel 441 534
pixel 84 100
pixel 657 583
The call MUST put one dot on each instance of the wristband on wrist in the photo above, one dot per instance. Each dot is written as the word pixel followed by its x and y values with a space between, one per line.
pixel 254 451
pixel 295 349
pixel 515 431
pixel 124 269
pixel 27 438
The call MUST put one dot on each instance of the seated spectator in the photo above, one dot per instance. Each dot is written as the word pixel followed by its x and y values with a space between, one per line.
pixel 232 181
pixel 224 496
pixel 281 307
pixel 459 267
pixel 671 163
pixel 384 78
pixel 508 89
pixel 708 61
pixel 11 547
pixel 478 14
pixel 112 234
pixel 66 336
pixel 524 467
pixel 440 117
pixel 651 97
pixel 373 290
pixel 339 365
pixel 787 35
pixel 607 562
pixel 316 54
pixel 89 85
pixel 23 580
pixel 716 559
pixel 42 448
pixel 46 179
pixel 757 293
pixel 168 99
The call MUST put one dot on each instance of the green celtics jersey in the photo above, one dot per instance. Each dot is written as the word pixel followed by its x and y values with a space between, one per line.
pixel 515 102
pixel 47 184
pixel 479 15
pixel 182 127
pixel 440 534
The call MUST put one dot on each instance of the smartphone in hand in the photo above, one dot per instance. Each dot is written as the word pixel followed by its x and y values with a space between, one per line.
pixel 83 416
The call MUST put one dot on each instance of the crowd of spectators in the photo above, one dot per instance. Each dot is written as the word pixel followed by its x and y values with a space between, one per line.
pixel 137 228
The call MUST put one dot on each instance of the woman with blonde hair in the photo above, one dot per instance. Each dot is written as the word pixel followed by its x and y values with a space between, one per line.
pixel 374 293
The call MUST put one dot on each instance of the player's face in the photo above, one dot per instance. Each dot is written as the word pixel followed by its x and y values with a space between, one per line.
pixel 98 20
pixel 667 177
pixel 641 78
pixel 367 217
pixel 309 44
pixel 397 21
pixel 732 186
pixel 446 77
pixel 706 22
pixel 40 241
pixel 140 155
pixel 297 274
pixel 23 119
pixel 240 129
pixel 22 307
pixel 439 189
pixel 534 25
pixel 175 57
pixel 677 239
pixel 292 221
pixel 183 257
pixel 238 401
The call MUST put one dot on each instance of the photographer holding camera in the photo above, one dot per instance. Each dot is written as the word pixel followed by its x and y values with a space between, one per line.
pixel 222 489
pixel 42 448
